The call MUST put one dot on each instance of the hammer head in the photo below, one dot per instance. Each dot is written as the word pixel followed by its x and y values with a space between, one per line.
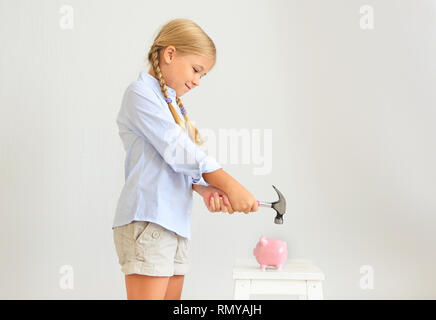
pixel 279 206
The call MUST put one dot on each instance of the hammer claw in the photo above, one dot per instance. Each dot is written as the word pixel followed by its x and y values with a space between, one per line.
pixel 279 206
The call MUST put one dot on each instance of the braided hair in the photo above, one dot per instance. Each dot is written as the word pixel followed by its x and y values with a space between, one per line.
pixel 187 37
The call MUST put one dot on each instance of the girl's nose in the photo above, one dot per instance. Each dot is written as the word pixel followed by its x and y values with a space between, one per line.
pixel 196 81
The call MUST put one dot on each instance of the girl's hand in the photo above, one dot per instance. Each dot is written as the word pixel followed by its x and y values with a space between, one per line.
pixel 242 200
pixel 215 199
pixel 219 203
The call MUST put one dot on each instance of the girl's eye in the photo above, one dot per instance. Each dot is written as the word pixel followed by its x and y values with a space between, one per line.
pixel 195 70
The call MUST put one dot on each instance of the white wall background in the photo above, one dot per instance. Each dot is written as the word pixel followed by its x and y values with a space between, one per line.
pixel 352 113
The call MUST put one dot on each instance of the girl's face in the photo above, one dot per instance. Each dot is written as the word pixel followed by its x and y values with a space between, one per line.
pixel 182 72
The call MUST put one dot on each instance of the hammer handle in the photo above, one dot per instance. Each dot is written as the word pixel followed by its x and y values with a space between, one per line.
pixel 259 203
pixel 264 204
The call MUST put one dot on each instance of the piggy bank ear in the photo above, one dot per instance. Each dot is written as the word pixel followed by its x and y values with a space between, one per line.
pixel 263 241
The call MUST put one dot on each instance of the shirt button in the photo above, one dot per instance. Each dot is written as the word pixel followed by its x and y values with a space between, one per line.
pixel 155 234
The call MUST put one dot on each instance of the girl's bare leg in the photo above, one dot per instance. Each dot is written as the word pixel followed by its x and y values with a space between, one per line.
pixel 174 289
pixel 141 287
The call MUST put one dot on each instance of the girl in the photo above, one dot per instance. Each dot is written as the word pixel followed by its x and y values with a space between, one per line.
pixel 151 228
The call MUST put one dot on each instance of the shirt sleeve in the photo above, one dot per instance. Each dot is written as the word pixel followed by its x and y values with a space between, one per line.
pixel 201 182
pixel 148 118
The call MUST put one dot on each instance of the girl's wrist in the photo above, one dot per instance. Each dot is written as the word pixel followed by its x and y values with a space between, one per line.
pixel 199 188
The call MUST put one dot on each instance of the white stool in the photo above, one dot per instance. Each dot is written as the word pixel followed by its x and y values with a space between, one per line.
pixel 297 277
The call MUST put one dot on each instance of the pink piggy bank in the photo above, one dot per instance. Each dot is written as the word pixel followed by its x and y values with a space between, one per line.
pixel 271 252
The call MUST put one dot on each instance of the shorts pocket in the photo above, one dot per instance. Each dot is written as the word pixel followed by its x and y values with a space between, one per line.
pixel 140 229
pixel 145 235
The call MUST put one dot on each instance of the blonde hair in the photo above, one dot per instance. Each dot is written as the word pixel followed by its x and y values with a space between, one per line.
pixel 188 38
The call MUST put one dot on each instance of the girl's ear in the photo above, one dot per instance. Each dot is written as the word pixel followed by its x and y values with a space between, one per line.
pixel 169 54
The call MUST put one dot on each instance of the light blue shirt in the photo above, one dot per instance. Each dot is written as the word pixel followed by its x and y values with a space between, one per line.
pixel 161 162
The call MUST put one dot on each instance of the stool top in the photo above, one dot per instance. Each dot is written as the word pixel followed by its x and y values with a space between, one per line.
pixel 294 269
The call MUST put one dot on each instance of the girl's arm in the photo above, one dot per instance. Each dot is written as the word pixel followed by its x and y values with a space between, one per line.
pixel 198 188
pixel 215 199
pixel 222 180
pixel 240 198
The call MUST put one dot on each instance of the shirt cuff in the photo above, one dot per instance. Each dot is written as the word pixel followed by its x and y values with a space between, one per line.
pixel 200 182
pixel 207 165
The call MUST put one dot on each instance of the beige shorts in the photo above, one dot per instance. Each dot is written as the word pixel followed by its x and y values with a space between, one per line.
pixel 147 248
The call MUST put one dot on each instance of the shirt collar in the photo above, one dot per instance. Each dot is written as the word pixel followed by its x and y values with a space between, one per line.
pixel 145 76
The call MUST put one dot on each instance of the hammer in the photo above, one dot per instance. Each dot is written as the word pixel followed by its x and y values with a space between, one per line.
pixel 279 206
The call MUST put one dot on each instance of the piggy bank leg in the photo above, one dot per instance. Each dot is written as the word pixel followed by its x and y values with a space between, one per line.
pixel 262 266
pixel 279 267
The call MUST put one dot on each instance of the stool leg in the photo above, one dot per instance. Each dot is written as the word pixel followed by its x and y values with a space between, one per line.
pixel 314 290
pixel 241 289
